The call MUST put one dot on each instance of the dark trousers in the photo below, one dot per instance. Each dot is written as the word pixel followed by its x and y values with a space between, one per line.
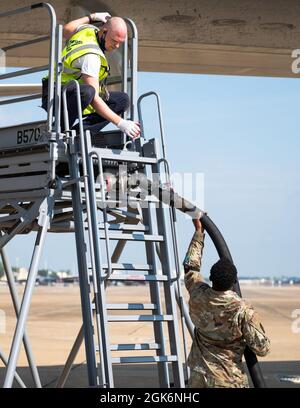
pixel 118 102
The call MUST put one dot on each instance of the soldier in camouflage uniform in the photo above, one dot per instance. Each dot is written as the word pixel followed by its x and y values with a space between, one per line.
pixel 224 323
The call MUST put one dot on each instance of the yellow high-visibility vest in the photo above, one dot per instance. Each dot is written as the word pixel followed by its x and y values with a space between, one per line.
pixel 83 42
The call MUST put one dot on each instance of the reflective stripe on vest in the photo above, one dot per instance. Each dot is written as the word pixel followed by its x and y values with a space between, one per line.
pixel 82 47
pixel 83 42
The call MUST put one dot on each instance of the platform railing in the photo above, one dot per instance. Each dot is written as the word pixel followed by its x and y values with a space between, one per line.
pixel 51 66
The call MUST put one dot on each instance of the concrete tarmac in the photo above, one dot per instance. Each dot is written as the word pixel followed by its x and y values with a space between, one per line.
pixel 55 318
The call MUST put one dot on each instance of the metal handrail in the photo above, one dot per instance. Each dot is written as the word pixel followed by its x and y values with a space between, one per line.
pixel 24 72
pixel 20 99
pixel 91 216
pixel 124 75
pixel 134 67
pixel 50 66
pixel 161 126
pixel 104 210
pixel 185 318
pixel 167 168
pixel 25 43
pixel 58 71
pixel 172 220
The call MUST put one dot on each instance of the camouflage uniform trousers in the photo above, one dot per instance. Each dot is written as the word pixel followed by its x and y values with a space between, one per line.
pixel 199 380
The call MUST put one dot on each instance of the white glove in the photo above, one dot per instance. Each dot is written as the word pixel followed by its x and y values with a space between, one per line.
pixel 103 17
pixel 129 127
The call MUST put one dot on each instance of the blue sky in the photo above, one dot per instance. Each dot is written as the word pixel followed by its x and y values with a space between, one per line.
pixel 242 134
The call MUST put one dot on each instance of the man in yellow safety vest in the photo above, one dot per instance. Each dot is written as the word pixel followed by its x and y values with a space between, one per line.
pixel 84 59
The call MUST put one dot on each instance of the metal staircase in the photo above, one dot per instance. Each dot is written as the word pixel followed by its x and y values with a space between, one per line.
pixel 59 182
pixel 105 224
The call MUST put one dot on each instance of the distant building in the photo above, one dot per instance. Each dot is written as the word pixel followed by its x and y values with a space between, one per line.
pixel 63 274
pixel 21 275
pixel 3 280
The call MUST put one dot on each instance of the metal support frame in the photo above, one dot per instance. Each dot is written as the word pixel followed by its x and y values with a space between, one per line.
pixel 51 65
pixel 44 219
pixel 26 197
pixel 18 379
pixel 16 304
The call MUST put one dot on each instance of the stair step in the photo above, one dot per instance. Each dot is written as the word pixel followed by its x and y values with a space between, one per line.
pixel 107 154
pixel 144 359
pixel 141 346
pixel 131 306
pixel 125 227
pixel 136 278
pixel 129 267
pixel 135 236
pixel 140 318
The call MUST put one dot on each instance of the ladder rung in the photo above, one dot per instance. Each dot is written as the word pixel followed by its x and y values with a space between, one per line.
pixel 125 227
pixel 108 154
pixel 131 199
pixel 140 318
pixel 141 346
pixel 131 306
pixel 145 359
pixel 136 236
pixel 129 267
pixel 137 278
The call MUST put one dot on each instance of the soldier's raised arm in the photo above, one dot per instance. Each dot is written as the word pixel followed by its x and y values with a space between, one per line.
pixel 192 260
pixel 254 333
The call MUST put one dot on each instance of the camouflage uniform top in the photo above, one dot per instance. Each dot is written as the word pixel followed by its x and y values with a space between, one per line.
pixel 224 324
